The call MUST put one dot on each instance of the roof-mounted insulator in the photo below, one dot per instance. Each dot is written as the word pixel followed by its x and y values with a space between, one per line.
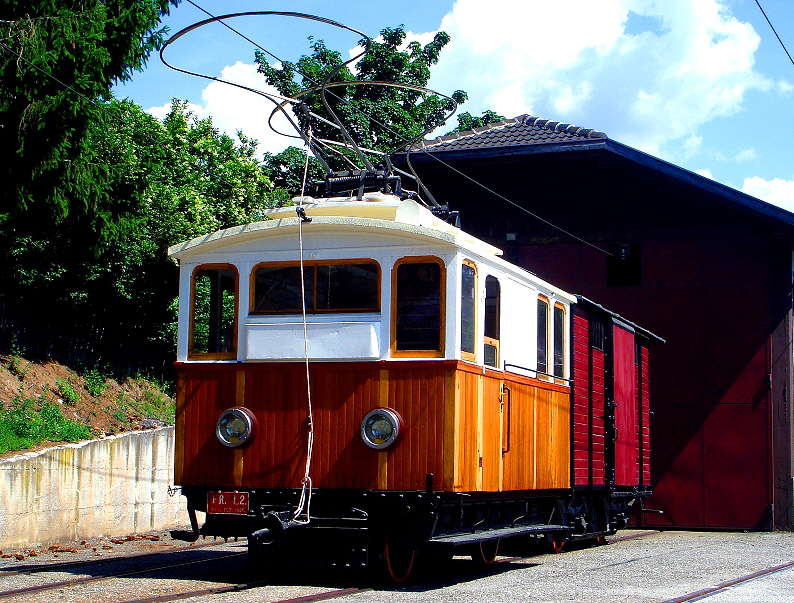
pixel 358 182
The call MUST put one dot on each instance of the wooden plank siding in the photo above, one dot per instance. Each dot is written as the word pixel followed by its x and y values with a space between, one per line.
pixel 598 412
pixel 455 427
pixel 582 412
pixel 645 417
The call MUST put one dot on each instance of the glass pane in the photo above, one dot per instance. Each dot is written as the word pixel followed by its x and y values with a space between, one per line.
pixel 491 307
pixel 491 354
pixel 418 306
pixel 468 307
pixel 559 342
pixel 278 289
pixel 347 287
pixel 214 294
pixel 543 336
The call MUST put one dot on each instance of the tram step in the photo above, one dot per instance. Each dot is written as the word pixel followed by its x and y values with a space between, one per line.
pixel 485 535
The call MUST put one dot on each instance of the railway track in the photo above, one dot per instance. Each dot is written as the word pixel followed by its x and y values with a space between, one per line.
pixel 50 567
pixel 254 585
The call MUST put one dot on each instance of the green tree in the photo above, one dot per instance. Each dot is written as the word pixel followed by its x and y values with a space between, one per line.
pixel 377 117
pixel 285 170
pixel 466 121
pixel 56 58
pixel 181 178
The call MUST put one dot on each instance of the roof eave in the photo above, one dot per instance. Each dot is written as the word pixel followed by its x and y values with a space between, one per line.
pixel 669 170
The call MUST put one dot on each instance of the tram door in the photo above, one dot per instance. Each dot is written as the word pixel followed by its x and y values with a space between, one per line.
pixel 627 445
pixel 492 423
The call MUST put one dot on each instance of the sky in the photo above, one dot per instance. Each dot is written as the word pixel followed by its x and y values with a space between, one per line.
pixel 703 84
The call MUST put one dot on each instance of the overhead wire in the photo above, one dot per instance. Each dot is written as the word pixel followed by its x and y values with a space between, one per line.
pixel 775 32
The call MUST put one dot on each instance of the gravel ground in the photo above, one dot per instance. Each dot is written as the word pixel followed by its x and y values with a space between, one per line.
pixel 651 569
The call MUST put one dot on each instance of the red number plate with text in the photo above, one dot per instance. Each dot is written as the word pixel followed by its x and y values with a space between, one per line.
pixel 227 503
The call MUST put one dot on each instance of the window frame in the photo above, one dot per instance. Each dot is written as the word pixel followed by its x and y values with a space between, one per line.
pixel 564 340
pixel 470 356
pixel 493 341
pixel 440 352
pixel 191 353
pixel 306 265
pixel 544 374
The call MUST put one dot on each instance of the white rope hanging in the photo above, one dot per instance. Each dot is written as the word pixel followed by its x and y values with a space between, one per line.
pixel 304 503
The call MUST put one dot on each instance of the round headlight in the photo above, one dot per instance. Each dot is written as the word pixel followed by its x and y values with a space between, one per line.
pixel 381 428
pixel 235 427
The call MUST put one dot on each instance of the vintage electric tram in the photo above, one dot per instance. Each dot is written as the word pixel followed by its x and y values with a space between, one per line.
pixel 360 381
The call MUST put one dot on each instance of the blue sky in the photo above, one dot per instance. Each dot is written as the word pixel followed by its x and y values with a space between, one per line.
pixel 703 84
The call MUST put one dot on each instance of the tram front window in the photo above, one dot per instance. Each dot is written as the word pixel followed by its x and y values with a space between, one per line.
pixel 214 307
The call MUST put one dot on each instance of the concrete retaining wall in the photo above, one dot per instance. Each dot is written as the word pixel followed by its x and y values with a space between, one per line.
pixel 118 485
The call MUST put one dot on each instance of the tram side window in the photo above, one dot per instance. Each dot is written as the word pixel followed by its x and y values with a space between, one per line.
pixel 468 311
pixel 559 341
pixel 543 336
pixel 418 312
pixel 214 309
pixel 491 331
pixel 338 287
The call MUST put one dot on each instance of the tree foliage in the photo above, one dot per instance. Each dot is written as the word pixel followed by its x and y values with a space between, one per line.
pixel 56 58
pixel 286 169
pixel 466 121
pixel 181 179
pixel 377 117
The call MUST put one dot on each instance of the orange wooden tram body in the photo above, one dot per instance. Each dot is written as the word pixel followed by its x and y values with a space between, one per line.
pixel 458 427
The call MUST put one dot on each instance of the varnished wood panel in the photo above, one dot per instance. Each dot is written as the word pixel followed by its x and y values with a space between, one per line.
pixel 447 410
pixel 491 430
pixel 467 451
pixel 520 461
pixel 418 395
pixel 207 393
pixel 552 432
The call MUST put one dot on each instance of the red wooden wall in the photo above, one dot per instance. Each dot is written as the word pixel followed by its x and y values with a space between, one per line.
pixel 627 441
pixel 709 298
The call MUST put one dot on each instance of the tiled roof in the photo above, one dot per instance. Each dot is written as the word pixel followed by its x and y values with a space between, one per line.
pixel 519 131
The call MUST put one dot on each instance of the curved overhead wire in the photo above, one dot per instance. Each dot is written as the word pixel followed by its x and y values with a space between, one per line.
pixel 281 103
pixel 322 87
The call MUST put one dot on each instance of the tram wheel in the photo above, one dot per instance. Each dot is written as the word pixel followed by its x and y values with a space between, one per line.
pixel 557 543
pixel 398 560
pixel 484 553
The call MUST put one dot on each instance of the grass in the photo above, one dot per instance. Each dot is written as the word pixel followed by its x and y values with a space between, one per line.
pixel 15 365
pixel 94 382
pixel 70 396
pixel 23 426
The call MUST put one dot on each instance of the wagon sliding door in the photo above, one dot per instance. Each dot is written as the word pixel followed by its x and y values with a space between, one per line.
pixel 624 376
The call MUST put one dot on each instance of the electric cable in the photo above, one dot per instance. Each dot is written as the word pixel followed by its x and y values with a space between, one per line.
pixel 775 32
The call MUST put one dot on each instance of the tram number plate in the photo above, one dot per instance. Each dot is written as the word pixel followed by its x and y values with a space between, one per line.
pixel 227 503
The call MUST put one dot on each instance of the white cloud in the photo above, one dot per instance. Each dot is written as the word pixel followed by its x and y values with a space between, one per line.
pixel 705 173
pixel 745 155
pixel 778 192
pixel 161 112
pixel 572 60
pixel 692 145
pixel 233 108
pixel 785 88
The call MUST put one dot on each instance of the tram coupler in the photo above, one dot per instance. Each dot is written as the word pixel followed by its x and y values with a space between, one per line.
pixel 272 533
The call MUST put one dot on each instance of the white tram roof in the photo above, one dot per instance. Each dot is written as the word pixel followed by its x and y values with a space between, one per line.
pixel 387 213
